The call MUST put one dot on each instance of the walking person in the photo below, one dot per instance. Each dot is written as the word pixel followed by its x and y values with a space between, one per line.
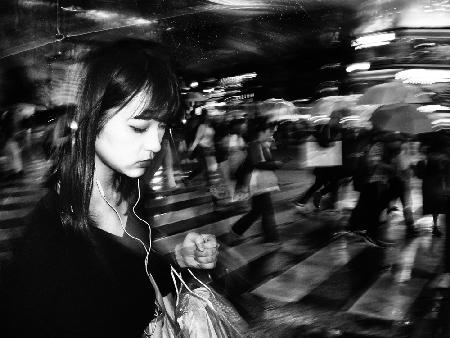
pixel 262 182
pixel 202 148
pixel 85 265
pixel 326 177
pixel 434 170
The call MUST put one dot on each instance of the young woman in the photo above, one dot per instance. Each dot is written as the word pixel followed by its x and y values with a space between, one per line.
pixel 82 269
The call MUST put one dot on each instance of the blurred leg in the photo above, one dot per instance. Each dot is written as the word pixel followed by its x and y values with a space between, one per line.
pixel 247 220
pixel 268 217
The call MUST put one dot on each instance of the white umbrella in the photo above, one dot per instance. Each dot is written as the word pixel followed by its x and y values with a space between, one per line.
pixel 394 92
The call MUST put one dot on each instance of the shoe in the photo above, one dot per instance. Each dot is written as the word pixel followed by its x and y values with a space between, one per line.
pixel 391 209
pixel 232 239
pixel 317 197
pixel 436 232
pixel 376 242
pixel 368 238
pixel 300 207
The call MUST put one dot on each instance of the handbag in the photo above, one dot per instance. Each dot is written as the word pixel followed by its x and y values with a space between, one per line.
pixel 312 155
pixel 262 181
pixel 204 313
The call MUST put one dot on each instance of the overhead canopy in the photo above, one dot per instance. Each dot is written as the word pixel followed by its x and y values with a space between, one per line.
pixel 284 41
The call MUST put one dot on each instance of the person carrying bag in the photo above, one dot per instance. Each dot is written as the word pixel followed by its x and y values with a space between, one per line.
pixel 261 181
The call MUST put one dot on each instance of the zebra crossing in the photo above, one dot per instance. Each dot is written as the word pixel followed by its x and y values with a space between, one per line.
pixel 313 279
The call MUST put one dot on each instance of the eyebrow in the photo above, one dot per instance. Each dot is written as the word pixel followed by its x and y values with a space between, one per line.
pixel 161 115
pixel 148 114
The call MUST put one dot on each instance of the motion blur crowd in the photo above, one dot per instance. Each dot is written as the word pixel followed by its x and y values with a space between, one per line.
pixel 236 158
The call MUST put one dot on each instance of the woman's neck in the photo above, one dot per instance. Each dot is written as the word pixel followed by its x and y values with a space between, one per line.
pixel 107 204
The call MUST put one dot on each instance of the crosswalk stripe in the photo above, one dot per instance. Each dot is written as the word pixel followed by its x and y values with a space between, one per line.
pixel 11 233
pixel 172 217
pixel 295 283
pixel 19 201
pixel 9 215
pixel 392 294
pixel 387 299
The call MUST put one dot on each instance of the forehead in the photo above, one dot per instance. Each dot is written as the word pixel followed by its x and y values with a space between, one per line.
pixel 141 107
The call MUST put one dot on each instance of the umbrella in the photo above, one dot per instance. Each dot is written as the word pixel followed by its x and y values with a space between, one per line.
pixel 326 105
pixel 403 118
pixel 273 108
pixel 394 92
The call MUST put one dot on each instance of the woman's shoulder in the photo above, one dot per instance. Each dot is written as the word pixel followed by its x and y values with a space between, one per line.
pixel 41 227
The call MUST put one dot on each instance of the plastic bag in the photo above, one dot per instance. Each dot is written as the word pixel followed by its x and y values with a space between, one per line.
pixel 204 313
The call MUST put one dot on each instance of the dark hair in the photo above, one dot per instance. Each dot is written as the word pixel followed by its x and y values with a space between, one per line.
pixel 113 75
pixel 255 126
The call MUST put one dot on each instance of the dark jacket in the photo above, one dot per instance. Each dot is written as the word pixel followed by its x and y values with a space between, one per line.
pixel 61 283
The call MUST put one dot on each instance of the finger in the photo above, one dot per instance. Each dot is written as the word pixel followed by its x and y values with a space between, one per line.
pixel 207 265
pixel 209 240
pixel 205 260
pixel 199 243
pixel 206 253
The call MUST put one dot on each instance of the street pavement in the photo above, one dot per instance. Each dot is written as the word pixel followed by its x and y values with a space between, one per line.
pixel 316 284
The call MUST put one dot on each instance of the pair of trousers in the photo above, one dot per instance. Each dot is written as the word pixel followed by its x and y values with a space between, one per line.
pixel 373 199
pixel 201 166
pixel 261 206
pixel 321 178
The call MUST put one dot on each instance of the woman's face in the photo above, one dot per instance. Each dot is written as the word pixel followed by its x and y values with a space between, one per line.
pixel 127 143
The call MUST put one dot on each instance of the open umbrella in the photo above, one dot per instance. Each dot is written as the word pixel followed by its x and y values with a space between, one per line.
pixel 403 118
pixel 275 108
pixel 326 105
pixel 394 92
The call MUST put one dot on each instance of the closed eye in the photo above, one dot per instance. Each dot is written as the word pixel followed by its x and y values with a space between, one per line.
pixel 139 130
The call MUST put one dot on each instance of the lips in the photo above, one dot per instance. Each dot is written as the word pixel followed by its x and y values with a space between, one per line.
pixel 144 164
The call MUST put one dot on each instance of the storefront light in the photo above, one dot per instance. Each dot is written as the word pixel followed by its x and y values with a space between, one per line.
pixel 358 66
pixel 373 40
pixel 423 76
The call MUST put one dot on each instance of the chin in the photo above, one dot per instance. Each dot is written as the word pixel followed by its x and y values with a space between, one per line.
pixel 135 173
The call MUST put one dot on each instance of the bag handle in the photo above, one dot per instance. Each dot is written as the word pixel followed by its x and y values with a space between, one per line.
pixel 174 273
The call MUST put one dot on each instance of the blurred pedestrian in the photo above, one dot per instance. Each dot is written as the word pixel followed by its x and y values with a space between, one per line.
pixel 262 181
pixel 202 149
pixel 434 170
pixel 326 177
pixel 10 147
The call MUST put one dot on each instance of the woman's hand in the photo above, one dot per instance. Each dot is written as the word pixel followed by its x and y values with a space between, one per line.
pixel 197 251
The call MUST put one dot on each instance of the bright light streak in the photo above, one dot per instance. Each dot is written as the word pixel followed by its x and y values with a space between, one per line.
pixel 324 119
pixel 100 14
pixel 140 21
pixel 358 66
pixel 236 80
pixel 208 90
pixel 423 76
pixel 350 118
pixel 373 40
pixel 432 108
pixel 441 121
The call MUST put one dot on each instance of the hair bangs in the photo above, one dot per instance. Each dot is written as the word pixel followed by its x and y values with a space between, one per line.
pixel 161 105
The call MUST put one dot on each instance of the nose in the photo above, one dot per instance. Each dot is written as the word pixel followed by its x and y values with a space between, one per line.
pixel 153 139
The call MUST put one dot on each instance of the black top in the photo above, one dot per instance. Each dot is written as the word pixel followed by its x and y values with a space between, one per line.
pixel 66 284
